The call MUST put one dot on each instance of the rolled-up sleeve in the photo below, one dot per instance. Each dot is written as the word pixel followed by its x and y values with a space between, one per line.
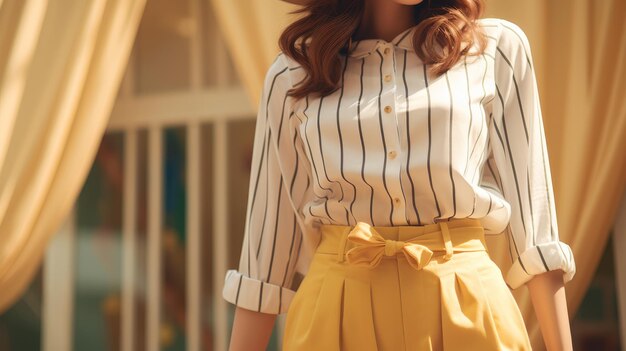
pixel 278 187
pixel 520 166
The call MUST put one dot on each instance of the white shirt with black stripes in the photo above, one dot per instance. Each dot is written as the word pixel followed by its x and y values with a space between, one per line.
pixel 398 146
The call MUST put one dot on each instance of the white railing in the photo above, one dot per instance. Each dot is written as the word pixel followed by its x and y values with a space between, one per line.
pixel 58 289
pixel 192 110
pixel 131 114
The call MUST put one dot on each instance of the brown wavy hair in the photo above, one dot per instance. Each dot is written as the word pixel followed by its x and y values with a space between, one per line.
pixel 329 25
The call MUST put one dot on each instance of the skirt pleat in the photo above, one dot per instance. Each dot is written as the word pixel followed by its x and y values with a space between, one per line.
pixel 318 301
pixel 466 316
pixel 505 319
pixel 458 304
pixel 357 316
pixel 476 310
pixel 324 319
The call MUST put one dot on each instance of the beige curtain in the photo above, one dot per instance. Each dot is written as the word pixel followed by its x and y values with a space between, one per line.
pixel 61 63
pixel 579 48
pixel 251 30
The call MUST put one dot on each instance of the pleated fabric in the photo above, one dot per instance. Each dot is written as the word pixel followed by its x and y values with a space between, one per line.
pixel 452 300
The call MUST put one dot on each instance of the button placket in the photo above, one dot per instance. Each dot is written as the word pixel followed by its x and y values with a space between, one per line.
pixel 390 122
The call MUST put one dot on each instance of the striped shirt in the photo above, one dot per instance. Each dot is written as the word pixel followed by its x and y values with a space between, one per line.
pixel 396 145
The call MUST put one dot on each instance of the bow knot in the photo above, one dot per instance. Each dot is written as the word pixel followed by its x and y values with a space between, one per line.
pixel 371 247
pixel 392 247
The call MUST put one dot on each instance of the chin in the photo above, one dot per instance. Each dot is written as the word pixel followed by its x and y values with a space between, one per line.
pixel 408 2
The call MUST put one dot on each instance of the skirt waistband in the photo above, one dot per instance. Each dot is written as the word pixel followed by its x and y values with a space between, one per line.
pixel 365 245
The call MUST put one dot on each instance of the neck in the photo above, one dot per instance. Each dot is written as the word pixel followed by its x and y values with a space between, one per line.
pixel 384 19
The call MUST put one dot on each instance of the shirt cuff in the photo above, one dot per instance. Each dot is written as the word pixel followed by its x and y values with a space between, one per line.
pixel 541 258
pixel 256 295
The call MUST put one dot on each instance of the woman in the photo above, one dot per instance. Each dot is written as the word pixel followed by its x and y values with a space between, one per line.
pixel 392 136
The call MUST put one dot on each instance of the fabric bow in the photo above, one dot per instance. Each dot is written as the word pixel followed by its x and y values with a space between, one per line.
pixel 371 247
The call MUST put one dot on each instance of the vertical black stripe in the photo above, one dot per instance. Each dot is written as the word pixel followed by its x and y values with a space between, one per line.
pixel 319 134
pixel 261 295
pixel 288 264
pixel 321 219
pixel 238 288
pixel 308 184
pixel 254 193
pixel 267 196
pixel 543 260
pixel 382 135
pixel 506 135
pixel 265 145
pixel 363 147
pixel 543 146
pixel 471 122
pixel 519 259
pixel 485 121
pixel 282 115
pixel 408 31
pixel 479 166
pixel 510 155
pixel 312 157
pixel 522 41
pixel 519 99
pixel 450 145
pixel 295 230
pixel 280 189
pixel 276 224
pixel 408 138
pixel 299 250
pixel 430 176
pixel 530 205
pixel 533 234
pixel 477 173
pixel 296 166
pixel 496 177
pixel 351 212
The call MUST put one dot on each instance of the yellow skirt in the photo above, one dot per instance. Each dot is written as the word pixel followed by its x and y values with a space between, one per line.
pixel 431 287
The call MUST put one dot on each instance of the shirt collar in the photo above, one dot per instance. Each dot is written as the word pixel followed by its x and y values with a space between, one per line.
pixel 364 47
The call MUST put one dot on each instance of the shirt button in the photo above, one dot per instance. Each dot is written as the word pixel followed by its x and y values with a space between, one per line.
pixel 386 51
pixel 388 78
pixel 392 154
pixel 388 109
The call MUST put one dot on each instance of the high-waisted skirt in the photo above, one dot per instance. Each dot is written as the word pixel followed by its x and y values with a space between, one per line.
pixel 417 288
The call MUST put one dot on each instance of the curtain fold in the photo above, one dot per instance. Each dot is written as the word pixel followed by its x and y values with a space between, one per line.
pixel 579 48
pixel 251 30
pixel 61 64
